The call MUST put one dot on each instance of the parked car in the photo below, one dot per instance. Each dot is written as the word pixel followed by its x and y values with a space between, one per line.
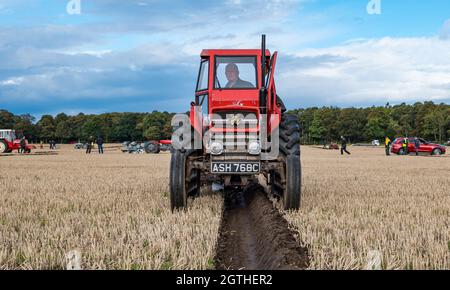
pixel 425 147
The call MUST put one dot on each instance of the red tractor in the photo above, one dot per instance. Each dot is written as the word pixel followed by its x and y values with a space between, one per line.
pixel 237 130
pixel 9 142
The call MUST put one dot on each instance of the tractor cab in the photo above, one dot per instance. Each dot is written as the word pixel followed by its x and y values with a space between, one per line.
pixel 237 98
pixel 231 80
pixel 9 135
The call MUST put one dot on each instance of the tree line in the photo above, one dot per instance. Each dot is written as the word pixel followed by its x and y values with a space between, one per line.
pixel 112 127
pixel 426 120
pixel 326 124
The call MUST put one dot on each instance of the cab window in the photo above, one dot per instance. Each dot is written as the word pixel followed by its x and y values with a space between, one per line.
pixel 202 82
pixel 237 72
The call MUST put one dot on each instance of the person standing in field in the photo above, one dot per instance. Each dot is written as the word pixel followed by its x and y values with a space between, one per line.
pixel 405 145
pixel 387 143
pixel 22 145
pixel 42 144
pixel 99 142
pixel 89 145
pixel 344 146
pixel 416 145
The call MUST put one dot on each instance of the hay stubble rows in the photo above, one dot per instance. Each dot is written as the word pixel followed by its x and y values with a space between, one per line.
pixel 114 209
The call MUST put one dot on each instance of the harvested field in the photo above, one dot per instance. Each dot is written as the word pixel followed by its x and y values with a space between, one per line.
pixel 114 209
pixel 397 205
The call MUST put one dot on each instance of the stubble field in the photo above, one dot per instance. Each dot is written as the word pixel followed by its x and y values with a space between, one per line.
pixel 114 209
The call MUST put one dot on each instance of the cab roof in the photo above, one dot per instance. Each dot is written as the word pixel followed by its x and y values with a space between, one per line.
pixel 232 52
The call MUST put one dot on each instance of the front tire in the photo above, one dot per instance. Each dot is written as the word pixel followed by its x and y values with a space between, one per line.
pixel 292 195
pixel 185 181
pixel 178 196
pixel 3 147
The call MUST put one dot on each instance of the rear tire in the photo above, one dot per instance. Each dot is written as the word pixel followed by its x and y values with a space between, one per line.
pixel 290 153
pixel 152 148
pixel 3 147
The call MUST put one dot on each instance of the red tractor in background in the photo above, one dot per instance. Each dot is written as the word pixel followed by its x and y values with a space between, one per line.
pixel 239 130
pixel 9 142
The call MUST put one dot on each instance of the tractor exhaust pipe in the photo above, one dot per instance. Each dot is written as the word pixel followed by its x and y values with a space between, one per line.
pixel 263 61
pixel 263 90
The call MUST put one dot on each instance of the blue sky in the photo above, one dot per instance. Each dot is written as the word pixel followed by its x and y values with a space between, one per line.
pixel 142 55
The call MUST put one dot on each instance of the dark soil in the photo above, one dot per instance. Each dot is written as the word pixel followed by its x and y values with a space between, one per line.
pixel 255 236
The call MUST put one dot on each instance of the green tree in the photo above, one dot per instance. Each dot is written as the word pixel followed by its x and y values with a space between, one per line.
pixel 156 126
pixel 125 127
pixel 63 131
pixel 6 120
pixel 317 129
pixel 24 124
pixel 92 127
pixel 436 122
pixel 374 129
pixel 305 117
pixel 351 123
pixel 46 127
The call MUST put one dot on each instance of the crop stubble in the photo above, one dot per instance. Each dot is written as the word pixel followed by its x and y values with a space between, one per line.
pixel 115 210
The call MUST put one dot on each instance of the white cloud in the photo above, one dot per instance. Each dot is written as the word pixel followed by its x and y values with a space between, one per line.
pixel 12 81
pixel 96 53
pixel 370 72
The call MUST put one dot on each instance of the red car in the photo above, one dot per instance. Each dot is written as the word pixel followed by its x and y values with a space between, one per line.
pixel 425 147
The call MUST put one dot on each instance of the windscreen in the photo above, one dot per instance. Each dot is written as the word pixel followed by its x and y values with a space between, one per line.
pixel 235 72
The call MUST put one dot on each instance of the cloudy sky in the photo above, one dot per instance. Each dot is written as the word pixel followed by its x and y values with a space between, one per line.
pixel 143 55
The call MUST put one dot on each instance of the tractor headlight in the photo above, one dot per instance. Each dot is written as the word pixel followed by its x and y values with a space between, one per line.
pixel 216 148
pixel 254 148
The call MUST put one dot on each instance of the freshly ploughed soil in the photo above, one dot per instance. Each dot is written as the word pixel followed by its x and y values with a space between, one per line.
pixel 255 236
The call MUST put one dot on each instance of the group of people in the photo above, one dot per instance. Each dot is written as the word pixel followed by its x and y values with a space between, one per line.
pixel 52 144
pixel 388 143
pixel 405 146
pixel 90 144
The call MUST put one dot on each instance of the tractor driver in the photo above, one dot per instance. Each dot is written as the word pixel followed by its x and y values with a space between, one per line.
pixel 232 74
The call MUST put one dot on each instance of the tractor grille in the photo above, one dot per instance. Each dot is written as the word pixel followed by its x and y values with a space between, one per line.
pixel 234 141
pixel 230 119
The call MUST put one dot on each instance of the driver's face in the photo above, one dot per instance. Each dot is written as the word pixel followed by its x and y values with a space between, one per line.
pixel 232 74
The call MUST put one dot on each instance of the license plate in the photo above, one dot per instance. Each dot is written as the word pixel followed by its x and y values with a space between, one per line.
pixel 235 167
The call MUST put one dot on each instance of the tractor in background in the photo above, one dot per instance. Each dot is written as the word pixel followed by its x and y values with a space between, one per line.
pixel 9 142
